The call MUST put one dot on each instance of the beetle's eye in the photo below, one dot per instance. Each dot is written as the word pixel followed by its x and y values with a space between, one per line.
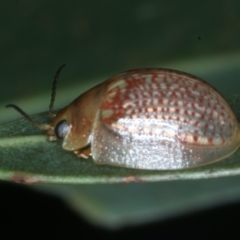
pixel 61 129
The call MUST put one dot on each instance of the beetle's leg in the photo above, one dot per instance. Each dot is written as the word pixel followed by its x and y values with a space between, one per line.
pixel 83 152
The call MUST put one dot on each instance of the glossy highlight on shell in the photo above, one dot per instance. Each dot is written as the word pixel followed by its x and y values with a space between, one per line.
pixel 157 119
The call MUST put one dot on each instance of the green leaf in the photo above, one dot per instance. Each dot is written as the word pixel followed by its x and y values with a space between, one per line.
pixel 118 205
pixel 26 156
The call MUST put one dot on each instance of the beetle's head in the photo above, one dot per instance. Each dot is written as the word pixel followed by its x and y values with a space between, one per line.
pixel 69 124
pixel 58 127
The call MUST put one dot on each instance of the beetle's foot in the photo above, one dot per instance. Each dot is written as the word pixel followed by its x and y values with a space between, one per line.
pixel 83 153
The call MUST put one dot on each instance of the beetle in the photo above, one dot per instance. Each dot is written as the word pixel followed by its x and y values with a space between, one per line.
pixel 151 118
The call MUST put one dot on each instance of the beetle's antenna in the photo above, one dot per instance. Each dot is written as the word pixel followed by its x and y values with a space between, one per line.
pixel 54 86
pixel 36 124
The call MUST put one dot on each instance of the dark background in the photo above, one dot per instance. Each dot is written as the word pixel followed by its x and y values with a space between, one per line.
pixel 95 39
pixel 23 209
pixel 101 38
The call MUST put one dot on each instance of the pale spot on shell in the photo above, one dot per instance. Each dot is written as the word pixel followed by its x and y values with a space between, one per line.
pixel 169 133
pixel 217 140
pixel 107 113
pixel 180 103
pixel 203 140
pixel 172 109
pixel 155 101
pixel 146 130
pixel 165 101
pixel 189 138
pixel 120 83
pixel 215 114
pixel 210 127
pixel 197 115
pixel 128 112
pixel 163 86
pixel 118 126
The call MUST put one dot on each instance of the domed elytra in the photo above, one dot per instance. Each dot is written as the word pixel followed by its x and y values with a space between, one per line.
pixel 154 118
pixel 162 119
